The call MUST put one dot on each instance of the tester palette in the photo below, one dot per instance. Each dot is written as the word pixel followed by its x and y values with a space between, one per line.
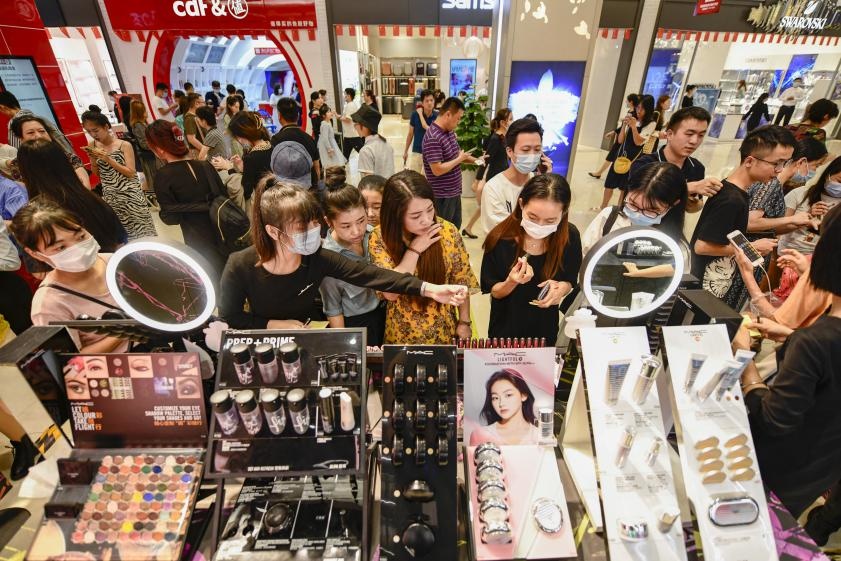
pixel 136 507
pixel 141 499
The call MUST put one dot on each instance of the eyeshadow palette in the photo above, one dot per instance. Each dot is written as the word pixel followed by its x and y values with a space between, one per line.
pixel 138 506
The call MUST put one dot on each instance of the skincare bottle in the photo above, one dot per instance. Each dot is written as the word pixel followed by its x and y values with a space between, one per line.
pixel 223 409
pixel 243 363
pixel 267 363
pixel 249 412
pixel 290 357
pixel 273 409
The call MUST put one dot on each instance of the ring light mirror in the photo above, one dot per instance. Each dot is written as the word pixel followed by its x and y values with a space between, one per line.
pixel 163 285
pixel 614 278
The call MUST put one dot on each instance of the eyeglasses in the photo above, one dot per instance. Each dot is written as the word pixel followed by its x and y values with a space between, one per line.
pixel 778 166
pixel 647 212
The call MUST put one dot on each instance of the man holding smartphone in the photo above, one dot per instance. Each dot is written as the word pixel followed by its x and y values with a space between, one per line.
pixel 765 151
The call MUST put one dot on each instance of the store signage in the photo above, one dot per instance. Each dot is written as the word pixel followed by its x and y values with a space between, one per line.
pixel 802 17
pixel 707 7
pixel 202 16
pixel 467 5
pixel 266 51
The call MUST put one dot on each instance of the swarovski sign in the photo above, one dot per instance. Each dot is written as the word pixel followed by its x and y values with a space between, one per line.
pixel 787 16
pixel 467 5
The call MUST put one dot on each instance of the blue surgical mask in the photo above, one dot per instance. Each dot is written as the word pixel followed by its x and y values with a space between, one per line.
pixel 798 178
pixel 526 163
pixel 305 243
pixel 639 219
pixel 833 189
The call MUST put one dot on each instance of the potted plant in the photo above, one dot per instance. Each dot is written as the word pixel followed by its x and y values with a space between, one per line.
pixel 471 133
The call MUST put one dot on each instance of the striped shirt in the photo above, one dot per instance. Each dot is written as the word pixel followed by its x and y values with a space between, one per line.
pixel 440 146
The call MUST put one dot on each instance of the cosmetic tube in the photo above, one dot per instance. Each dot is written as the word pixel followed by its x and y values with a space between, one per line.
pixel 347 418
pixel 223 407
pixel 267 363
pixel 328 413
pixel 352 370
pixel 645 380
pixel 547 425
pixel 290 357
pixel 696 362
pixel 273 409
pixel 653 452
pixel 299 412
pixel 243 363
pixel 708 388
pixel 249 412
pixel 731 378
pixel 625 443
pixel 616 371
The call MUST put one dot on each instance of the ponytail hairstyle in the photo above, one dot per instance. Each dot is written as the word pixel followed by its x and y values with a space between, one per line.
pixel 551 187
pixel 399 190
pixel 167 136
pixel 501 116
pixel 280 204
pixel 339 196
pixel 248 125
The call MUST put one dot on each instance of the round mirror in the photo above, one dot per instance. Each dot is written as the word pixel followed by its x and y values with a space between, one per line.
pixel 631 272
pixel 163 285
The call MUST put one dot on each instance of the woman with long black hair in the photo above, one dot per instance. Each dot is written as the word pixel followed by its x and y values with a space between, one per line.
pixel 534 248
pixel 45 171
pixel 757 111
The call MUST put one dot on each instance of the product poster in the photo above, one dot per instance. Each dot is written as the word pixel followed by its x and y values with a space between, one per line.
pixel 132 400
pixel 799 67
pixel 552 92
pixel 662 77
pixel 462 75
pixel 504 393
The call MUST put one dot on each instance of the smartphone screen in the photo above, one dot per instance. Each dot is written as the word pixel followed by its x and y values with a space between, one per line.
pixel 739 240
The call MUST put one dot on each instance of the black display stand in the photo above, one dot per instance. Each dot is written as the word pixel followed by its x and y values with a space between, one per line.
pixel 311 473
pixel 419 453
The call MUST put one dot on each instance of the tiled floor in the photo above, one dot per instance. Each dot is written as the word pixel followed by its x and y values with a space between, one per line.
pixel 718 157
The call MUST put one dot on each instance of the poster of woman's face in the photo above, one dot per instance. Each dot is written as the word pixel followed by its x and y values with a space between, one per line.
pixel 504 391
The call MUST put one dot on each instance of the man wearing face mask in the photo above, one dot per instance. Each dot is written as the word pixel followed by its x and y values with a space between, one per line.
pixel 524 145
pixel 76 285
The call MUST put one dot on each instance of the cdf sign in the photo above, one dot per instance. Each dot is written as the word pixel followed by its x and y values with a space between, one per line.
pixel 218 8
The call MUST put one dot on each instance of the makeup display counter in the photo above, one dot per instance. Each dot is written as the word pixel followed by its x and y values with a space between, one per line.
pixel 271 454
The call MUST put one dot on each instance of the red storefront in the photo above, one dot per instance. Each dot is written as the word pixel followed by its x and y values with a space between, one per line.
pixel 149 41
pixel 23 35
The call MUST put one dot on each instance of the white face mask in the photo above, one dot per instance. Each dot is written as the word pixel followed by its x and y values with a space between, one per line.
pixel 526 163
pixel 76 258
pixel 305 243
pixel 538 231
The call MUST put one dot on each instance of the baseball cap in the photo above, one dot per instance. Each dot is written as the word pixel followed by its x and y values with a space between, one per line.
pixel 291 162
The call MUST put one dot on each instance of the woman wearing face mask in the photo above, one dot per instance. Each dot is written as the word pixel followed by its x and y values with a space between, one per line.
pixel 76 285
pixel 412 239
pixel 653 191
pixel 185 188
pixel 279 276
pixel 346 305
pixel 636 128
pixel 534 248
pixel 816 201
pixel 113 161
pixel 241 175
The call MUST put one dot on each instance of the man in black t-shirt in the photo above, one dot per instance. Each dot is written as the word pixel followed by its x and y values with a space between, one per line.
pixel 685 132
pixel 288 111
pixel 764 152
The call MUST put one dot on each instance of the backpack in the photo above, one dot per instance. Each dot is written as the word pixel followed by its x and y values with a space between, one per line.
pixel 233 228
